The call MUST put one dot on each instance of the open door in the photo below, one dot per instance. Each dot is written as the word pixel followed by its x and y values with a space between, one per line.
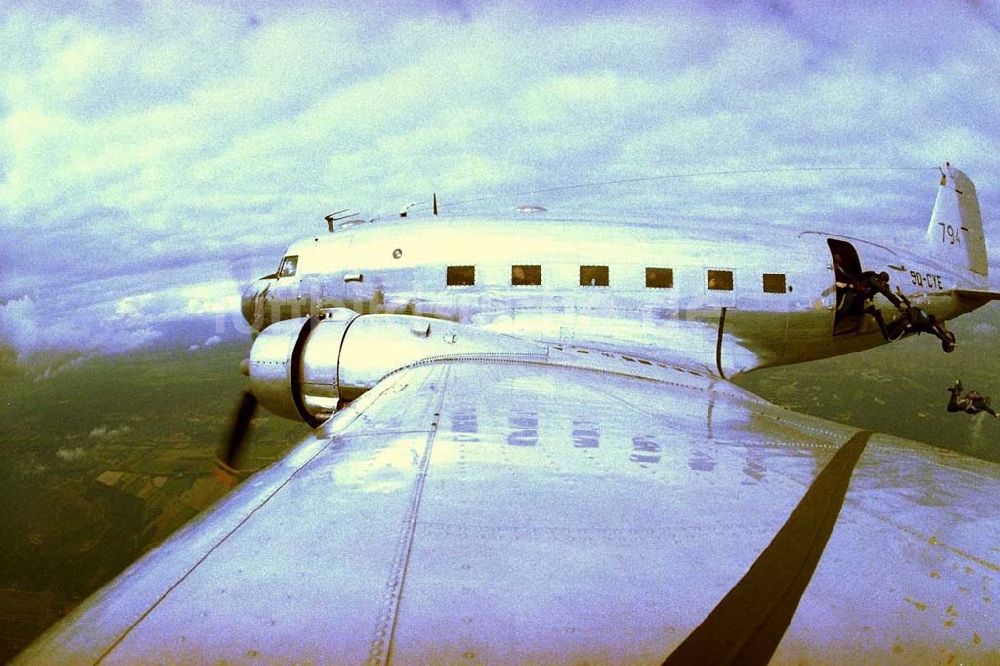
pixel 849 311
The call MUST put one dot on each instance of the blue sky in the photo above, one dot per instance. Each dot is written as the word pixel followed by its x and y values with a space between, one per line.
pixel 151 152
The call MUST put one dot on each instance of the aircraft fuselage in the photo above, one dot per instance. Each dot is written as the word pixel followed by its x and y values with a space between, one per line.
pixel 733 301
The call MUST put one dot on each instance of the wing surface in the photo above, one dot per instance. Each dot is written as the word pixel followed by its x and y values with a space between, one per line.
pixel 478 511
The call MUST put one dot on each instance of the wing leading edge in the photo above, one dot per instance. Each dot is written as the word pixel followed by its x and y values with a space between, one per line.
pixel 508 512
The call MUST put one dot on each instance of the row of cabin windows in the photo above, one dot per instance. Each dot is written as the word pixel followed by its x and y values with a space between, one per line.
pixel 597 276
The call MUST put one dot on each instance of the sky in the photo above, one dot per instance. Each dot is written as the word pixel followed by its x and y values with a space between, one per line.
pixel 155 154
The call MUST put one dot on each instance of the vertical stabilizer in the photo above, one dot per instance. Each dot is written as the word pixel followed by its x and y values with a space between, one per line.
pixel 955 232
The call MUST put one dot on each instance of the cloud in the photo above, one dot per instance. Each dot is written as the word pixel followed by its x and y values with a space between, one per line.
pixel 71 454
pixel 984 328
pixel 219 297
pixel 144 145
pixel 103 432
pixel 19 327
pixel 30 329
pixel 44 367
pixel 210 342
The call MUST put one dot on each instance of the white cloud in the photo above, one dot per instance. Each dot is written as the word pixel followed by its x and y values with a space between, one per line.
pixel 29 329
pixel 142 139
pixel 220 297
pixel 71 454
pixel 43 369
pixel 211 341
pixel 103 432
pixel 18 325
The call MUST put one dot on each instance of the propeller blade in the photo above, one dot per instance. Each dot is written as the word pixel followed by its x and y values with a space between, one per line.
pixel 230 453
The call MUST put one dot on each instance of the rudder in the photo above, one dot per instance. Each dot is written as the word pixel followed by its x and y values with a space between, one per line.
pixel 955 232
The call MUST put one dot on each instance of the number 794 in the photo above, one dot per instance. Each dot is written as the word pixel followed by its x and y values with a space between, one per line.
pixel 949 234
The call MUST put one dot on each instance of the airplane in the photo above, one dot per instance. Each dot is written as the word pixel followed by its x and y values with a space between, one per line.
pixel 525 447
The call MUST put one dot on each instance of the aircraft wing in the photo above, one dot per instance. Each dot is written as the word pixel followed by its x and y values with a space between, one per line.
pixel 481 510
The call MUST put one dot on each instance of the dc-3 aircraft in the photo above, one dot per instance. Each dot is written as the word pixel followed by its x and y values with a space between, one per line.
pixel 525 449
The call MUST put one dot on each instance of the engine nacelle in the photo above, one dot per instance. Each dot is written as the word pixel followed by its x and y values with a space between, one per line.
pixel 304 368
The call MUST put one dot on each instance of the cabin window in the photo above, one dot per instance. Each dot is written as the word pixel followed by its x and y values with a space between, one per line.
pixel 774 283
pixel 525 275
pixel 461 276
pixel 720 280
pixel 659 278
pixel 288 266
pixel 593 276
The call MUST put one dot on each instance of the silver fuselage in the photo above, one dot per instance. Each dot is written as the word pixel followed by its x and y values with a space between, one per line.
pixel 402 266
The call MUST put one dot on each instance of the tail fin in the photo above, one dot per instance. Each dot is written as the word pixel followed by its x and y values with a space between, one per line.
pixel 955 232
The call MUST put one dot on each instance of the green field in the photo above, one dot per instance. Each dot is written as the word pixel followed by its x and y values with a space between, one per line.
pixel 102 460
pixel 901 388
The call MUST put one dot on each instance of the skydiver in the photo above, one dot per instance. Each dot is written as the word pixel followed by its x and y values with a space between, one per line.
pixel 844 281
pixel 866 287
pixel 915 320
pixel 843 278
pixel 871 283
pixel 972 402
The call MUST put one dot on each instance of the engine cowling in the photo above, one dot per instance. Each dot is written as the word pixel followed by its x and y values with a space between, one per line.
pixel 305 368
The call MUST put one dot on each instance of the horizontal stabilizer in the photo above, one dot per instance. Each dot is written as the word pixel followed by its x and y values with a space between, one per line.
pixel 980 295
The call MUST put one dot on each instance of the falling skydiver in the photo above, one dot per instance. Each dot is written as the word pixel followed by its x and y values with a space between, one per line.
pixel 913 319
pixel 972 402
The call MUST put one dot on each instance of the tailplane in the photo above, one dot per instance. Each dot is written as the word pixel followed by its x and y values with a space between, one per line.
pixel 955 232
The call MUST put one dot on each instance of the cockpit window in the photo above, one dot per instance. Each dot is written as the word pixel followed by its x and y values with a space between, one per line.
pixel 288 265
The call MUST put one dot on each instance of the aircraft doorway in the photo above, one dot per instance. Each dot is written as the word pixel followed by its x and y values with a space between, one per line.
pixel 849 311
